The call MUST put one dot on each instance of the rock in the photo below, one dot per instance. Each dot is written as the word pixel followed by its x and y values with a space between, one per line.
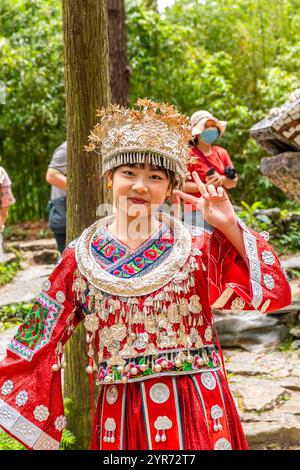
pixel 9 257
pixel 34 245
pixel 5 338
pixel 295 331
pixel 266 390
pixel 292 262
pixel 294 217
pixel 272 363
pixel 249 330
pixel 279 426
pixel 257 394
pixel 26 285
pixel 284 172
pixel 46 256
pixel 273 213
pixel 283 435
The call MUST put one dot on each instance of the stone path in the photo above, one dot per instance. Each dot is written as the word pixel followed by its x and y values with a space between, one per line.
pixel 26 285
pixel 266 389
pixel 39 260
pixel 5 338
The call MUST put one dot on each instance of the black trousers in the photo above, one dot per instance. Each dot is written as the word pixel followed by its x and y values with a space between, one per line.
pixel 60 240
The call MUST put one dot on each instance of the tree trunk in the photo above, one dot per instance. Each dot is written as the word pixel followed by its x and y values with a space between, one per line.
pixel 86 53
pixel 119 68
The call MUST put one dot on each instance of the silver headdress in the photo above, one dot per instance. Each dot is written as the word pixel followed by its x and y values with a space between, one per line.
pixel 152 131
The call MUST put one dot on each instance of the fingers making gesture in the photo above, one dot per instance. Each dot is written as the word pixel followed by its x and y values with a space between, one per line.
pixel 214 203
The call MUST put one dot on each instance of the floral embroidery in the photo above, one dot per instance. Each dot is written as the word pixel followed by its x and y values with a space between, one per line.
pixel 41 413
pixel 7 387
pixel 125 263
pixel 37 327
pixel 268 257
pixel 109 250
pixel 151 254
pixel 269 281
pixel 60 296
pixel 237 304
pixel 128 269
pixel 22 398
pixel 60 423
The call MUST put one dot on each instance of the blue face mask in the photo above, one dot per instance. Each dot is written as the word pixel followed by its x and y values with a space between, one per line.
pixel 210 135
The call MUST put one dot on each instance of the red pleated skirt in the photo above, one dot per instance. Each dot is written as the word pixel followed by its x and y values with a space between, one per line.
pixel 190 412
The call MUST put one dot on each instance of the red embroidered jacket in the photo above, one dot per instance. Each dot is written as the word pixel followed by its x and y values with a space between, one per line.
pixel 148 325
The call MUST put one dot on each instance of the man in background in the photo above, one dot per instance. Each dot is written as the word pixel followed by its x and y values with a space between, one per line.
pixel 56 176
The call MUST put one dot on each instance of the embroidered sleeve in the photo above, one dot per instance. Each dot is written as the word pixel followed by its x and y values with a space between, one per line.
pixel 31 404
pixel 261 285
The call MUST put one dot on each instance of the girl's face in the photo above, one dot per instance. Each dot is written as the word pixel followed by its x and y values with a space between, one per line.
pixel 139 191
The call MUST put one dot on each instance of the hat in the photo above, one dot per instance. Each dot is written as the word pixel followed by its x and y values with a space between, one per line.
pixel 155 132
pixel 199 119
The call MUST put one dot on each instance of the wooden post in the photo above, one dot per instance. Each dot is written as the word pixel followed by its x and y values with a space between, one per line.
pixel 86 54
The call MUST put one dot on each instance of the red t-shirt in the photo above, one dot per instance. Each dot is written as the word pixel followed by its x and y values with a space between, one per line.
pixel 201 163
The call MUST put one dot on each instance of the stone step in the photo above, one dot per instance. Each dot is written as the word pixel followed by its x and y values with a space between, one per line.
pixel 292 262
pixel 33 245
pixel 46 256
pixel 266 390
pixel 9 257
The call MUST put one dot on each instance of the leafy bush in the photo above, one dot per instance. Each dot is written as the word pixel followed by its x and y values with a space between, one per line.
pixel 9 269
pixel 8 443
pixel 283 231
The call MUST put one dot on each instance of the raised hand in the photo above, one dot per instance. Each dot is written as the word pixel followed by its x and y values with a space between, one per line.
pixel 214 203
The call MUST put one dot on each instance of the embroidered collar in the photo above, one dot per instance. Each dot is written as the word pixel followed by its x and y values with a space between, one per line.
pixel 123 262
pixel 147 282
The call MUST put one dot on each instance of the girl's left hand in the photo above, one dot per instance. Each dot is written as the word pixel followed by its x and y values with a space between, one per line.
pixel 214 203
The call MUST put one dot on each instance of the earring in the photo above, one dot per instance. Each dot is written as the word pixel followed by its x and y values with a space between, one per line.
pixel 109 185
pixel 168 196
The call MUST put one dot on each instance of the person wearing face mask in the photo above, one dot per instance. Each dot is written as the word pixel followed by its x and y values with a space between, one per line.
pixel 211 162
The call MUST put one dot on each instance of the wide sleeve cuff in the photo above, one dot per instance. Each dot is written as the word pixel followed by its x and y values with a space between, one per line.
pixel 233 285
pixel 31 402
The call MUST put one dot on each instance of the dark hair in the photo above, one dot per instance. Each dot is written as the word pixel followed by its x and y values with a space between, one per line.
pixel 194 141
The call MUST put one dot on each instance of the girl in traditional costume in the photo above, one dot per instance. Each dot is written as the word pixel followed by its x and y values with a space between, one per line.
pixel 145 302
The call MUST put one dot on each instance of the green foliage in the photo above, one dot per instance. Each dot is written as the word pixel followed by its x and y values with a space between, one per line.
pixel 236 58
pixel 32 121
pixel 287 345
pixel 293 273
pixel 68 439
pixel 14 314
pixel 249 217
pixel 284 233
pixel 9 269
pixel 291 240
pixel 8 443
